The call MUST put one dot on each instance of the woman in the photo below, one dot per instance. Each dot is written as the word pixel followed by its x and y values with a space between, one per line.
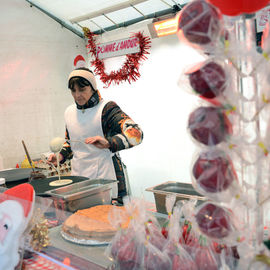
pixel 103 127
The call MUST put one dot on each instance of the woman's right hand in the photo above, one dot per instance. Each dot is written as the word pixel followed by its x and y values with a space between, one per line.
pixel 52 159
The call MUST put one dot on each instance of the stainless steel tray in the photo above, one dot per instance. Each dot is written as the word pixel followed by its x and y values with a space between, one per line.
pixel 183 191
pixel 83 194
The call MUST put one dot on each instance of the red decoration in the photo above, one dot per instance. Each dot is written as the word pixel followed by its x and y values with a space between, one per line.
pixel 236 7
pixel 130 69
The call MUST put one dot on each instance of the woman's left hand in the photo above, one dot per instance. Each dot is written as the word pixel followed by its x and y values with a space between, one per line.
pixel 97 141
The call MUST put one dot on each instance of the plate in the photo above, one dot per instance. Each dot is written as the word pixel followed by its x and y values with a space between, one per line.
pixel 86 242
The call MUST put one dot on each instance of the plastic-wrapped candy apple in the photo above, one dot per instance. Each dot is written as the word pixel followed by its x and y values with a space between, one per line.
pixel 214 221
pixel 126 250
pixel 181 262
pixel 213 172
pixel 155 259
pixel 209 125
pixel 154 234
pixel 199 22
pixel 205 258
pixel 180 258
pixel 208 79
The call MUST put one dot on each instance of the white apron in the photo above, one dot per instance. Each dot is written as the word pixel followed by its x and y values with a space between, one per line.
pixel 88 160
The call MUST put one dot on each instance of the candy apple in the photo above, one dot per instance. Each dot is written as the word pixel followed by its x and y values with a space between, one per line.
pixel 155 236
pixel 199 22
pixel 128 256
pixel 125 251
pixel 213 171
pixel 182 260
pixel 214 221
pixel 154 259
pixel 205 259
pixel 208 80
pixel 209 125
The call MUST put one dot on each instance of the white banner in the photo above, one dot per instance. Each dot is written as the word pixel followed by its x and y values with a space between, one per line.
pixel 262 18
pixel 118 47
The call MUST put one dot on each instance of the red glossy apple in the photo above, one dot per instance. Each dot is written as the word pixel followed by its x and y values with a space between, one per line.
pixel 208 80
pixel 214 221
pixel 199 22
pixel 209 125
pixel 236 7
pixel 213 171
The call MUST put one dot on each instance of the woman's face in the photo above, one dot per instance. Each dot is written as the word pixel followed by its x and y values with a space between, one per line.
pixel 81 94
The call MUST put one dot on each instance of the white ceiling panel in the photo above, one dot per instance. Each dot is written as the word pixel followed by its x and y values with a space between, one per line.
pixel 124 15
pixel 152 6
pixel 105 14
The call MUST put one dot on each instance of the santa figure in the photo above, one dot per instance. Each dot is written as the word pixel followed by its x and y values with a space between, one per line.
pixel 16 207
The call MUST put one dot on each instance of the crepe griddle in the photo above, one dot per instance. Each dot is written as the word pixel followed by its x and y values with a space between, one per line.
pixel 42 185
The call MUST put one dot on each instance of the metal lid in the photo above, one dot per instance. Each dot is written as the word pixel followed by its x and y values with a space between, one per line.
pixel 2 181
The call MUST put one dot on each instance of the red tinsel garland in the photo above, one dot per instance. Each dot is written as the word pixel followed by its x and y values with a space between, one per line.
pixel 129 70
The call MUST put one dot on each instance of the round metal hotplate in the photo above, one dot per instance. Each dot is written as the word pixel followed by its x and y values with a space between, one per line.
pixel 42 185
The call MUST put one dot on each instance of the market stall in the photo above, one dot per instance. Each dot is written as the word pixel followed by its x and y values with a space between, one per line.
pixel 219 221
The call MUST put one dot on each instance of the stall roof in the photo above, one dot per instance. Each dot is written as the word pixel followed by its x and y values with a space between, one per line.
pixel 105 15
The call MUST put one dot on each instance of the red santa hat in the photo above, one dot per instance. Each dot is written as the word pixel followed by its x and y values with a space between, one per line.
pixel 24 194
pixel 79 61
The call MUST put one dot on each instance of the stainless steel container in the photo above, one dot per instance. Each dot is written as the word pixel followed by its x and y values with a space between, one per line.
pixel 82 195
pixel 183 191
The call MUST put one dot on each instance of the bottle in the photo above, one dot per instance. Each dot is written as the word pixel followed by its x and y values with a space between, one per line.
pixel 2 184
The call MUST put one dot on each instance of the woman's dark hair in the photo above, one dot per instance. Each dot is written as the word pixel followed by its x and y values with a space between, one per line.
pixel 81 82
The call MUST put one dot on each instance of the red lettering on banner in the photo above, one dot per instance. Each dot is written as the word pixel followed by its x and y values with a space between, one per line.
pixel 109 49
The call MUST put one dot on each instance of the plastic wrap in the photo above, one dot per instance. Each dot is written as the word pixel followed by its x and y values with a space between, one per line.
pixel 209 125
pixel 216 222
pixel 209 79
pixel 214 175
pixel 170 201
pixel 200 25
